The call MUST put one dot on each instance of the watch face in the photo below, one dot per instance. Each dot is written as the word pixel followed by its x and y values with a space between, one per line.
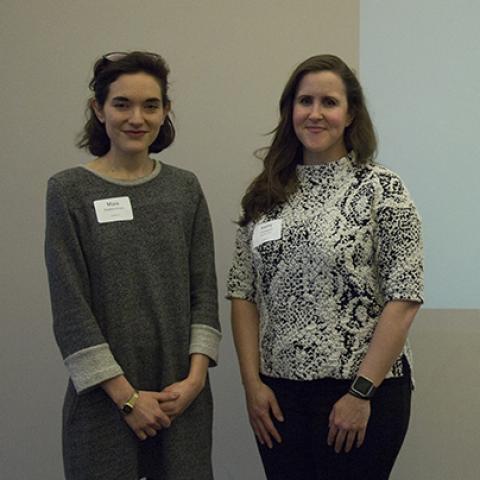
pixel 126 409
pixel 363 385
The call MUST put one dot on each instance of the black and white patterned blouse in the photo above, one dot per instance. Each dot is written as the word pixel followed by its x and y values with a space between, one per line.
pixel 321 267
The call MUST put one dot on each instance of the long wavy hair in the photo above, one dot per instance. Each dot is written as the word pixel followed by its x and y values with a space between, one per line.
pixel 105 71
pixel 278 180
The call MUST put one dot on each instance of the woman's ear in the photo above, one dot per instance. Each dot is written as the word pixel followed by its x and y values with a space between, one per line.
pixel 166 110
pixel 98 110
pixel 350 119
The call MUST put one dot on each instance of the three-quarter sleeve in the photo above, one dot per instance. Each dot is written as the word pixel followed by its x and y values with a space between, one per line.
pixel 241 278
pixel 205 327
pixel 86 354
pixel 399 242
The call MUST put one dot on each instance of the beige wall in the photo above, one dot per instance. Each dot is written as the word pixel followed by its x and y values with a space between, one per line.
pixel 442 442
pixel 229 61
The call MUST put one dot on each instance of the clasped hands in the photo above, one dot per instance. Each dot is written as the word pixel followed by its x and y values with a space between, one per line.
pixel 156 410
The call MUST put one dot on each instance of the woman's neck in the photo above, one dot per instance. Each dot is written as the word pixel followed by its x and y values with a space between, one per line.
pixel 121 167
pixel 324 158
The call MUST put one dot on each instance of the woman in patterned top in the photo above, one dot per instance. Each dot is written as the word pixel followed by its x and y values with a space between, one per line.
pixel 129 252
pixel 326 280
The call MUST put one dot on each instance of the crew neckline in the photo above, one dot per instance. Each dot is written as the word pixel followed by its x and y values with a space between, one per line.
pixel 137 181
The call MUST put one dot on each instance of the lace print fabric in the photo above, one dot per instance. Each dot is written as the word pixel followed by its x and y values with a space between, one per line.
pixel 350 242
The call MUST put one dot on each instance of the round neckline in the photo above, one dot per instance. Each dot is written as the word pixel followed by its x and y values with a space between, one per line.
pixel 127 183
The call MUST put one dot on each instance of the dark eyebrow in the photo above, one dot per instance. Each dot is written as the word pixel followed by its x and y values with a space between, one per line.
pixel 125 99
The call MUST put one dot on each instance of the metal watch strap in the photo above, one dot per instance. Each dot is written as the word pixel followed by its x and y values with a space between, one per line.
pixel 127 407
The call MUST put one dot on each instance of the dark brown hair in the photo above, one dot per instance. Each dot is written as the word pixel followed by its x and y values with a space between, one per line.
pixel 94 136
pixel 278 180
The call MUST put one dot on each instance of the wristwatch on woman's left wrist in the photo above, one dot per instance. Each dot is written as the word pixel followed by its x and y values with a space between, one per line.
pixel 127 407
pixel 362 387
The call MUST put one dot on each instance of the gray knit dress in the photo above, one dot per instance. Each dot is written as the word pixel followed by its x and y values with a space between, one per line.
pixel 133 297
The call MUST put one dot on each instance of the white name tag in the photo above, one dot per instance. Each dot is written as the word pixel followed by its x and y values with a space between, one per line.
pixel 117 209
pixel 266 232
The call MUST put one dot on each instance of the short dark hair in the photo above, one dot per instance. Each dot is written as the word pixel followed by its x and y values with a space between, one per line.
pixel 105 71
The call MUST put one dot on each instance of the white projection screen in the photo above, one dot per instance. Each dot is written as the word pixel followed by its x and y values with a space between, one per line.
pixel 420 64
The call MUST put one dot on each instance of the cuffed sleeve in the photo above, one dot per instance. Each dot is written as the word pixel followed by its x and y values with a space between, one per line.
pixel 205 340
pixel 205 325
pixel 241 278
pixel 92 366
pixel 86 353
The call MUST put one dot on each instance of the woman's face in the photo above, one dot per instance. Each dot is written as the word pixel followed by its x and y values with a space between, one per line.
pixel 320 116
pixel 132 114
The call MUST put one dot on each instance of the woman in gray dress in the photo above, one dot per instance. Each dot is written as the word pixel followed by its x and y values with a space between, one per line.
pixel 129 253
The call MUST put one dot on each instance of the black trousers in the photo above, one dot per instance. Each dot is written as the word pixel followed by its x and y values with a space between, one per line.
pixel 304 453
